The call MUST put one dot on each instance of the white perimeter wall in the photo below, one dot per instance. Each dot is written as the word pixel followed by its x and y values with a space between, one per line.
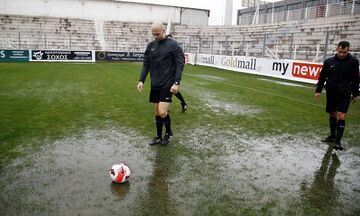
pixel 301 71
pixel 194 17
pixel 100 10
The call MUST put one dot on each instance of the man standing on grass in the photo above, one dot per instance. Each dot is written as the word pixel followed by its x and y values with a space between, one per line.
pixel 178 94
pixel 164 59
pixel 341 74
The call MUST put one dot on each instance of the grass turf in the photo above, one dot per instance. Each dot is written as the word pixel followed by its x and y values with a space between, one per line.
pixel 51 101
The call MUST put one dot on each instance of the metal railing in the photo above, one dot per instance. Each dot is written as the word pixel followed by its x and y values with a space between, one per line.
pixel 321 11
pixel 309 46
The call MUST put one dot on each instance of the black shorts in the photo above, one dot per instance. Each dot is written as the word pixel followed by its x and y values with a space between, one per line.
pixel 160 95
pixel 337 101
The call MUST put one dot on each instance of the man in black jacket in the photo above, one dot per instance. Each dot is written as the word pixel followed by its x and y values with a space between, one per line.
pixel 178 94
pixel 341 74
pixel 164 59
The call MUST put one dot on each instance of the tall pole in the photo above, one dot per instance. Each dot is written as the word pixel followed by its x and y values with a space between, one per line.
pixel 226 45
pixel 212 45
pixel 326 45
pixel 46 45
pixel 19 37
pixel 327 8
pixel 291 45
pixel 264 46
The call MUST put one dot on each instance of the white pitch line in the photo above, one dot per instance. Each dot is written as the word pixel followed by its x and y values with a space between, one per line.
pixel 284 83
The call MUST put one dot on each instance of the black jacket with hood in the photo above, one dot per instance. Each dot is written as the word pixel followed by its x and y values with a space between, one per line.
pixel 165 61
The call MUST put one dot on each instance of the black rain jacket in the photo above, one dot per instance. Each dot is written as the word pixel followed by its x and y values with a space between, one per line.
pixel 165 61
pixel 340 75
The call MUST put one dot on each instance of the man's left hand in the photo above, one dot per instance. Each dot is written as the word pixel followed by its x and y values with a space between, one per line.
pixel 353 99
pixel 174 89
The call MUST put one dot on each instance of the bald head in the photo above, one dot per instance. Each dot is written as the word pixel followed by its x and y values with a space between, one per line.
pixel 157 30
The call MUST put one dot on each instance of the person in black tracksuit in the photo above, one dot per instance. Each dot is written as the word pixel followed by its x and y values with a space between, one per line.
pixel 178 94
pixel 341 74
pixel 164 59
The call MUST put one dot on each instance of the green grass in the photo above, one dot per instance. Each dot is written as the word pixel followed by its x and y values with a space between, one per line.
pixel 42 101
pixel 286 109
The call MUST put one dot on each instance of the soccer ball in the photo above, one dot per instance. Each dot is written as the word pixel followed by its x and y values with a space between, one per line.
pixel 119 173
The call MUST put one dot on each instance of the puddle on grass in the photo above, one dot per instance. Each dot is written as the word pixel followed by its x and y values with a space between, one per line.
pixel 268 175
pixel 213 102
pixel 45 91
pixel 225 172
pixel 71 176
pixel 218 106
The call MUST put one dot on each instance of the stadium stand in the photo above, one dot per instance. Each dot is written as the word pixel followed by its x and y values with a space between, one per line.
pixel 306 35
pixel 25 32
pixel 302 39
pixel 128 36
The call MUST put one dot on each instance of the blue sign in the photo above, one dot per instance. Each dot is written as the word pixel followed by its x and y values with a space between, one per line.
pixel 14 55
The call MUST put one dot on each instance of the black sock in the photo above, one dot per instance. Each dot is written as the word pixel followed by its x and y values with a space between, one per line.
pixel 340 130
pixel 333 123
pixel 159 125
pixel 180 97
pixel 167 123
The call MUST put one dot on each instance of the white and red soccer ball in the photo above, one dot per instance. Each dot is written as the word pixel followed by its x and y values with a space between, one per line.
pixel 119 173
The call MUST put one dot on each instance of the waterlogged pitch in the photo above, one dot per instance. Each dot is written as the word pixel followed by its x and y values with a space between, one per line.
pixel 247 145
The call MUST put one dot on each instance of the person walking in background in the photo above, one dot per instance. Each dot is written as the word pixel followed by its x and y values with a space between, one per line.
pixel 178 94
pixel 182 102
pixel 164 59
pixel 341 74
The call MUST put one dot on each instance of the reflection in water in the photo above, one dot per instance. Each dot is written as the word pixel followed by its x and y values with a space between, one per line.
pixel 71 177
pixel 120 190
pixel 322 195
pixel 157 200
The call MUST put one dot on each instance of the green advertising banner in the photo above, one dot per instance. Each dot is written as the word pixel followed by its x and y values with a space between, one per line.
pixel 14 55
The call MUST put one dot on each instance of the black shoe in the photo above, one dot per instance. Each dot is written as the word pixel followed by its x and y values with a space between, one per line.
pixel 183 107
pixel 338 146
pixel 329 139
pixel 156 140
pixel 167 139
